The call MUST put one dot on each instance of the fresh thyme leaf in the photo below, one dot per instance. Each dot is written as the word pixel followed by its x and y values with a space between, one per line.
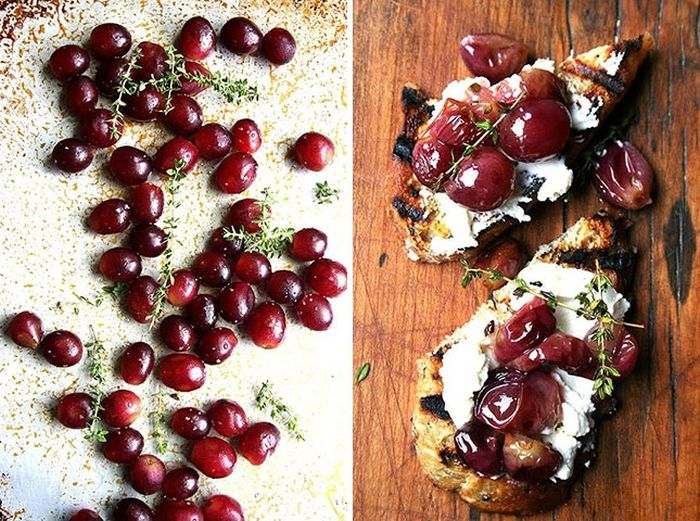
pixel 98 366
pixel 266 400
pixel 362 373
pixel 159 421
pixel 116 291
pixel 484 125
pixel 232 89
pixel 126 87
pixel 325 194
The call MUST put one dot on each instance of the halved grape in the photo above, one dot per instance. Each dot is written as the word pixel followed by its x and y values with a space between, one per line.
pixel 493 55
pixel 479 447
pixel 526 329
pixel 529 459
pixel 623 176
pixel 483 181
pixel 562 350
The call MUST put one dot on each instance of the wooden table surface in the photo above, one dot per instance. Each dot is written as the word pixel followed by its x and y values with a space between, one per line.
pixel 648 466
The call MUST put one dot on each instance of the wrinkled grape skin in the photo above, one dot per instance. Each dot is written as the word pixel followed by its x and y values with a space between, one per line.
pixel 528 459
pixel 493 55
pixel 623 176
pixel 530 325
pixel 479 447
pixel 483 181
pixel 507 257
pixel 541 84
pixel 455 126
pixel 561 350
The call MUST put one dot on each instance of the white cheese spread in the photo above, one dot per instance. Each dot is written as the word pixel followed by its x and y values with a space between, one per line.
pixel 584 111
pixel 612 64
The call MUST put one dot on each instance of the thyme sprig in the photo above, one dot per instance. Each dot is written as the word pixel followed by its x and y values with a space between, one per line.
pixel 325 193
pixel 116 291
pixel 158 418
pixel 271 240
pixel 126 87
pixel 98 366
pixel 267 400
pixel 591 306
pixel 171 185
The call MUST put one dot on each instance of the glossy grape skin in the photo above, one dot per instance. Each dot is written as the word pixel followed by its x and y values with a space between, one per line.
pixel 483 181
pixel 182 371
pixel 190 423
pixel 130 166
pixel 110 216
pixel 236 301
pixel 80 94
pixel 246 136
pixel 222 508
pixel 236 173
pixel 136 363
pixel 180 483
pixel 68 61
pixel 313 151
pixel 561 350
pixel 61 348
pixel 258 442
pixel 122 445
pixel 177 333
pixel 131 509
pixel 623 348
pixel 109 40
pixel 100 129
pixel 493 55
pixel 528 459
pixel 120 408
pixel 216 345
pixel 431 159
pixel 71 155
pixel 202 312
pixel 152 62
pixel 245 214
pixel 240 36
pixel 145 105
pixel 278 46
pixel 219 243
pixel 455 125
pixel 178 148
pixel 109 76
pixel 184 116
pixel 213 457
pixel 284 287
pixel 526 329
pixel 536 129
pixel 74 410
pixel 147 202
pixel 541 84
pixel 314 311
pixel 266 325
pixel 623 176
pixel 140 299
pixel 197 39
pixel 148 240
pixel 85 514
pixel 25 329
pixel 227 418
pixel 252 267
pixel 479 447
pixel 327 277
pixel 184 288
pixel 146 474
pixel 308 244
pixel 191 87
pixel 120 265
pixel 507 257
pixel 212 268
pixel 213 141
pixel 178 510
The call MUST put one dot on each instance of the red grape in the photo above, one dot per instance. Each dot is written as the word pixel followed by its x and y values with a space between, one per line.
pixel 146 474
pixel 120 265
pixel 189 86
pixel 212 268
pixel 109 76
pixel 25 329
pixel 227 418
pixel 541 84
pixel 109 40
pixel 559 349
pixel 177 333
pixel 184 116
pixel 258 442
pixel 180 483
pixel 136 363
pixel 327 277
pixel 182 372
pixel 184 288
pixel 110 216
pixel 216 345
pixel 177 149
pixel 86 515
pixel 222 508
pixel 529 459
pixel 314 311
pixel 131 509
pixel 493 55
pixel 197 38
pixel 284 287
pixel 278 46
pixel 100 128
pixel 240 36
pixel 130 166
pixel 148 240
pixel 68 61
pixel 147 203
pixel 431 159
pixel 120 408
pixel 245 136
pixel 313 151
pixel 623 176
pixel 219 243
pixel 140 299
pixel 455 125
pixel 236 173
pixel 213 457
pixel 74 410
pixel 122 445
pixel 479 447
pixel 526 329
pixel 506 256
pixel 71 155
pixel 61 348
pixel 190 423
pixel 81 95
pixel 178 510
pixel 236 301
pixel 308 244
pixel 266 325
pixel 202 312
pixel 245 214
pixel 145 105
pixel 151 63
pixel 213 141
pixel 252 267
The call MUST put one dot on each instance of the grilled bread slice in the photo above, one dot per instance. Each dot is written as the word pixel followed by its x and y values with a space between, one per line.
pixel 595 80
pixel 590 240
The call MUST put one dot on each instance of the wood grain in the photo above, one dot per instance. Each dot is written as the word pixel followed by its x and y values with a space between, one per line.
pixel 648 464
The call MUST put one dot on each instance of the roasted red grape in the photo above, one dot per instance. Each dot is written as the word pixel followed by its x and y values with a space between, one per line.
pixel 178 510
pixel 314 311
pixel 213 457
pixel 110 216
pixel 535 129
pixel 71 155
pixel 148 240
pixel 455 125
pixel 479 447
pixel 184 116
pixel 230 248
pixel 85 515
pixel 180 483
pixel 216 345
pixel 327 277
pixel 184 288
pixel 240 36
pixel 559 349
pixel 189 86
pixel 151 63
pixel 313 151
pixel 528 459
pixel 81 95
pixel 175 150
pixel 120 408
pixel 284 287
pixel 623 348
pixel 74 410
pixel 120 265
pixel 623 176
pixel 100 128
pixel 245 214
pixel 530 325
pixel 136 363
pixel 146 474
pixel 236 173
pixel 122 445
pixel 212 268
pixel 190 423
pixel 197 39
pixel 141 298
pixel 258 442
pixel 507 257
pixel 227 418
pixel 246 136
pixel 236 301
pixel 222 508
pixel 109 40
pixel 109 76
pixel 131 509
pixel 130 166
pixel 61 348
pixel 252 267
pixel 278 46
pixel 145 105
pixel 68 61
pixel 266 325
pixel 431 159
pixel 25 329
pixel 147 203
pixel 493 55
pixel 213 141
pixel 308 244
pixel 202 312
pixel 182 372
pixel 177 333
pixel 541 84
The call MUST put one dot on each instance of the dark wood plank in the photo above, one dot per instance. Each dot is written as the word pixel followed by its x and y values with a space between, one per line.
pixel 647 467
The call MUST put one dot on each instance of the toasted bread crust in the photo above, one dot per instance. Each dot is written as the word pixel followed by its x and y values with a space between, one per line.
pixel 595 238
pixel 583 74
